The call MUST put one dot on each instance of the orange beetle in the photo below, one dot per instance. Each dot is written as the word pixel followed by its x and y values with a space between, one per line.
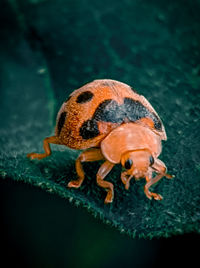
pixel 113 123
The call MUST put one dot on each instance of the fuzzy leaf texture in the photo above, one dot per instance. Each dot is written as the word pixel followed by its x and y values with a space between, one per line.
pixel 148 47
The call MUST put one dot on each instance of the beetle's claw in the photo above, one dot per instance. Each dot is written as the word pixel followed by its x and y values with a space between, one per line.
pixel 157 196
pixel 109 197
pixel 151 195
pixel 169 176
pixel 33 156
pixel 74 184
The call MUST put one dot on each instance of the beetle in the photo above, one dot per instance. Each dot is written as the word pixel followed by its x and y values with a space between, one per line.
pixel 110 121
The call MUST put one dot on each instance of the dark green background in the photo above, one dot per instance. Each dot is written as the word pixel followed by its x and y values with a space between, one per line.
pixel 48 49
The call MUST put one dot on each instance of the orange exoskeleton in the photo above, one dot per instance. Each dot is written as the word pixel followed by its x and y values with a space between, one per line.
pixel 111 122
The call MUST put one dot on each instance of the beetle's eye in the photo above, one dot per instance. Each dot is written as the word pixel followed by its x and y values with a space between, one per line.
pixel 151 160
pixel 128 164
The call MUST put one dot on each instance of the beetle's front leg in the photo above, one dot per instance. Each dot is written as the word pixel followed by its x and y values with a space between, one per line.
pixel 101 174
pixel 150 182
pixel 159 167
pixel 125 178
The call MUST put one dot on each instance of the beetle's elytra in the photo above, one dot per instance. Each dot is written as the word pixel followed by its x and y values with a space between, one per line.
pixel 111 122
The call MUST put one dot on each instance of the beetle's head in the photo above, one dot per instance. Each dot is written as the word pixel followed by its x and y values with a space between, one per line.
pixel 137 162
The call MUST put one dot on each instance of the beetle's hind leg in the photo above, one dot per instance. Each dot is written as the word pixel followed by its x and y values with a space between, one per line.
pixel 90 155
pixel 47 149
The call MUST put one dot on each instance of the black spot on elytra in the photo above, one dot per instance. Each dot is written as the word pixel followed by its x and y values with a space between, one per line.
pixel 61 121
pixel 110 111
pixel 84 97
pixel 89 129
pixel 157 122
pixel 107 111
pixel 135 110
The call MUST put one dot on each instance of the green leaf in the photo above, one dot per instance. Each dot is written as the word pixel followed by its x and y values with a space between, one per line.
pixel 43 60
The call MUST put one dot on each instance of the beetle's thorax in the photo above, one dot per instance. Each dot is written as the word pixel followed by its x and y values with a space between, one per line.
pixel 130 137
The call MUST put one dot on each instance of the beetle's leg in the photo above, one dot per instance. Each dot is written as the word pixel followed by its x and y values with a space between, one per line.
pixel 125 178
pixel 86 156
pixel 150 182
pixel 101 174
pixel 46 146
pixel 159 167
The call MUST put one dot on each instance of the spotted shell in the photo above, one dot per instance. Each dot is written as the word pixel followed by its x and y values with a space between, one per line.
pixel 94 110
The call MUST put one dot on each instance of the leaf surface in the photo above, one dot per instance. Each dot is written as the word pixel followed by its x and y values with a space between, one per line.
pixel 44 60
